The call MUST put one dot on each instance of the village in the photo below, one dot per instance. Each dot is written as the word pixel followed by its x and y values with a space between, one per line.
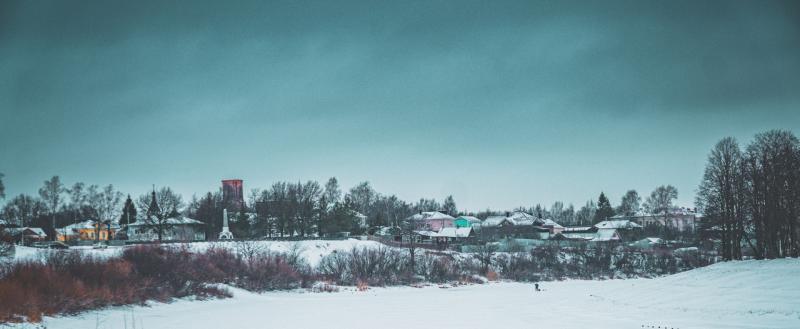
pixel 435 230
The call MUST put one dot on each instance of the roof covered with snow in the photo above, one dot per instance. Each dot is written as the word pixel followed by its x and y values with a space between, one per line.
pixel 172 221
pixel 497 220
pixel 617 224
pixel 471 219
pixel 455 232
pixel 35 230
pixel 429 215
pixel 551 223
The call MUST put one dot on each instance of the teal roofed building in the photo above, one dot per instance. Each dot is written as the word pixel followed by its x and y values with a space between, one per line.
pixel 466 221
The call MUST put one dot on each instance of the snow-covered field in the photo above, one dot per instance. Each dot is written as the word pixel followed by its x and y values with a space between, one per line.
pixel 747 294
pixel 310 250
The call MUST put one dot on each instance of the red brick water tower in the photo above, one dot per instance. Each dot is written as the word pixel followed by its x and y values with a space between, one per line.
pixel 232 194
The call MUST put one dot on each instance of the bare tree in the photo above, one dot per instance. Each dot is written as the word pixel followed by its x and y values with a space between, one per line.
pixel 77 200
pixel 449 206
pixel 484 254
pixel 2 187
pixel 249 250
pixel 557 211
pixel 586 214
pixel 363 198
pixel 51 193
pixel 307 195
pixel 630 203
pixel 159 207
pixel 22 209
pixel 720 195
pixel 772 175
pixel 107 204
pixel 660 201
pixel 332 192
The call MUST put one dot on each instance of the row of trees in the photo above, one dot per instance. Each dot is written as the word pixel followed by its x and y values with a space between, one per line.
pixel 752 196
pixel 284 209
pixel 302 209
pixel 660 201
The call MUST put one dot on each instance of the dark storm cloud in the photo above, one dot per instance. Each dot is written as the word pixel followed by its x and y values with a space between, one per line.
pixel 524 93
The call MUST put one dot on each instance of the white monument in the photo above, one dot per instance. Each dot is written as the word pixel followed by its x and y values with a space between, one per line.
pixel 226 233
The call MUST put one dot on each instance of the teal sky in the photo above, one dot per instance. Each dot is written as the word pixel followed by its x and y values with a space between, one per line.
pixel 500 103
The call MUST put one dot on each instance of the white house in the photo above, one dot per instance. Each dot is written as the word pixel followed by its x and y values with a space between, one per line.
pixel 682 219
pixel 174 229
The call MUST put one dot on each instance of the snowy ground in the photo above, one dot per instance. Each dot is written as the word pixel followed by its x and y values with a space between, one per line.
pixel 748 294
pixel 310 250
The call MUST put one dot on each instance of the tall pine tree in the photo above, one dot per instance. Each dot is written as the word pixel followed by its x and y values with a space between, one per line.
pixel 128 212
pixel 604 209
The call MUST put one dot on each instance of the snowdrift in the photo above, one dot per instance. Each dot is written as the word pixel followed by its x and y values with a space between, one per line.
pixel 746 294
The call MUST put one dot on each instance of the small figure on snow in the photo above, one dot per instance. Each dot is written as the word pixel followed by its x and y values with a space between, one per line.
pixel 537 286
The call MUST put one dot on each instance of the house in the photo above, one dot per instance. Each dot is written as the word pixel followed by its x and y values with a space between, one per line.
pixel 174 229
pixel 523 218
pixel 499 227
pixel 588 234
pixel 87 230
pixel 431 220
pixel 554 227
pixel 392 233
pixel 681 219
pixel 361 219
pixel 618 225
pixel 648 243
pixel 494 221
pixel 466 221
pixel 25 235
pixel 450 234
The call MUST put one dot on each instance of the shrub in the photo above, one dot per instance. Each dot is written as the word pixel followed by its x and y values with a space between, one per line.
pixel 376 267
pixel 69 282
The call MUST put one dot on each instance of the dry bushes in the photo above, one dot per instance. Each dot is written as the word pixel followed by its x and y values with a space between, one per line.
pixel 372 267
pixel 69 282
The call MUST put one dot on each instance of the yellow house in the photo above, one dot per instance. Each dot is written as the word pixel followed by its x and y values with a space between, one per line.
pixel 86 231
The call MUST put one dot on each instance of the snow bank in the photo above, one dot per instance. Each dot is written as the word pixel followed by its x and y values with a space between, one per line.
pixel 310 250
pixel 748 294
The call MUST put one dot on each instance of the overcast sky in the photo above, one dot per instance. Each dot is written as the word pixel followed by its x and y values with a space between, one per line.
pixel 498 103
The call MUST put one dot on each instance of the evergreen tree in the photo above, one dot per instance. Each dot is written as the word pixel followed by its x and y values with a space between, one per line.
pixel 128 212
pixel 604 209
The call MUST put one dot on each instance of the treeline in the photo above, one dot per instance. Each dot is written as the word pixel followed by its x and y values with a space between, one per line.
pixel 285 209
pixel 304 209
pixel 751 196
pixel 660 201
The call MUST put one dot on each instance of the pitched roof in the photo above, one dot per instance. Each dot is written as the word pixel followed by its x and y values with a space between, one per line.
pixel 579 229
pixel 35 230
pixel 617 224
pixel 84 225
pixel 455 232
pixel 523 218
pixel 471 219
pixel 172 221
pixel 606 235
pixel 595 236
pixel 429 215
pixel 496 220
pixel 550 222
